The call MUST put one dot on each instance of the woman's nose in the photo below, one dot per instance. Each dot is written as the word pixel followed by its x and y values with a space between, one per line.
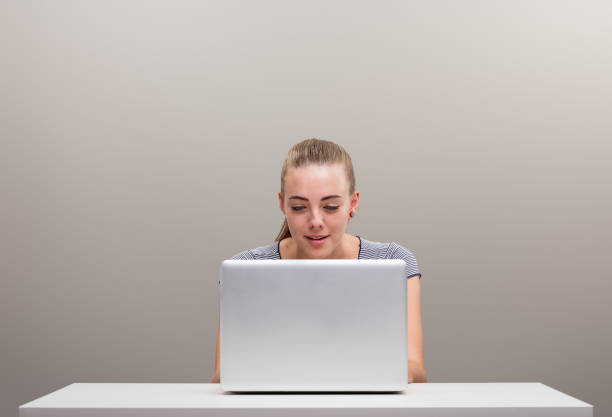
pixel 316 219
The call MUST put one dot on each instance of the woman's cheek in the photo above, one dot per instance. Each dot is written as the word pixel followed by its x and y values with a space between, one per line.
pixel 336 223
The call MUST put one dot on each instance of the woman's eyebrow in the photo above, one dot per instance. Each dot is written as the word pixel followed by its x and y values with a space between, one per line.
pixel 297 197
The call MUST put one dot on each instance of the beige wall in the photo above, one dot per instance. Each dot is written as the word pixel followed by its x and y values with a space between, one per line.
pixel 141 144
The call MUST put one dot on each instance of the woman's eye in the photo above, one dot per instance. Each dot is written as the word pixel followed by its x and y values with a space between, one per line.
pixel 330 208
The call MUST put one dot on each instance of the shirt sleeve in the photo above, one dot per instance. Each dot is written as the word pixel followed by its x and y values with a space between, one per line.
pixel 399 252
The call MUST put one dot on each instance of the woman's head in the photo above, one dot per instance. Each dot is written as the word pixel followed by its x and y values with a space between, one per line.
pixel 317 195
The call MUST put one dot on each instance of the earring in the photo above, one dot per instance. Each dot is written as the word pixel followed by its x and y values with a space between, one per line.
pixel 352 213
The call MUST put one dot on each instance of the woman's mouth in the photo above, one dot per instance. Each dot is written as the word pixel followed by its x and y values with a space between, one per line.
pixel 317 240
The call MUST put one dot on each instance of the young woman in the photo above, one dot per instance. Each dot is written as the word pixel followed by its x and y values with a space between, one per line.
pixel 318 199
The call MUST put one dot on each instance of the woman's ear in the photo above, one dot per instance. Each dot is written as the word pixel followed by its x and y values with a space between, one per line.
pixel 355 201
pixel 280 202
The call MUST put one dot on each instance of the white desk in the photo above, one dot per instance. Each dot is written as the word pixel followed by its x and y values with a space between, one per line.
pixel 191 400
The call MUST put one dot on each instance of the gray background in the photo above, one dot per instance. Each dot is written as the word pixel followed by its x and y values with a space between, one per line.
pixel 142 144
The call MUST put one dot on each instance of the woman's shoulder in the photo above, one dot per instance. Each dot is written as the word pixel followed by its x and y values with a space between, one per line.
pixel 389 250
pixel 262 252
pixel 382 250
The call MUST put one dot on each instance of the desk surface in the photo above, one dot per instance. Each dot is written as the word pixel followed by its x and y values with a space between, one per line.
pixel 190 400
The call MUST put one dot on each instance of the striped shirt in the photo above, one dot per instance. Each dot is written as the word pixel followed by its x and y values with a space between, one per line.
pixel 367 250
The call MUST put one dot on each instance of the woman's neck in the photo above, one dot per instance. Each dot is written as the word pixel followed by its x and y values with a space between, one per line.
pixel 348 249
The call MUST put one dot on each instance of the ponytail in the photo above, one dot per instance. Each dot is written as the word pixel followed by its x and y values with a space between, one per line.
pixel 284 232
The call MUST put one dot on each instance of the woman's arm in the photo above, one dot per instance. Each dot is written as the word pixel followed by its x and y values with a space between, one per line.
pixel 416 367
pixel 216 378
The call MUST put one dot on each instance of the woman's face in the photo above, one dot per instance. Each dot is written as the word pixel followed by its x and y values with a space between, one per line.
pixel 317 206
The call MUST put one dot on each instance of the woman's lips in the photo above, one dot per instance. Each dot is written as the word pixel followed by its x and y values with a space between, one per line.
pixel 316 242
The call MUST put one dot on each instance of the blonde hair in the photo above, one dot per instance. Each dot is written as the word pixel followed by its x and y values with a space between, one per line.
pixel 314 151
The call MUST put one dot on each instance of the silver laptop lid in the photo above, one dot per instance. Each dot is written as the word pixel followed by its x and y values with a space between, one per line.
pixel 313 325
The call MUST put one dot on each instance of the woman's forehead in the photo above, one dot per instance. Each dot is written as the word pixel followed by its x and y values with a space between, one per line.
pixel 316 179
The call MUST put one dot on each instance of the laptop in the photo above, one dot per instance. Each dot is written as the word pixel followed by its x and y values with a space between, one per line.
pixel 313 325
